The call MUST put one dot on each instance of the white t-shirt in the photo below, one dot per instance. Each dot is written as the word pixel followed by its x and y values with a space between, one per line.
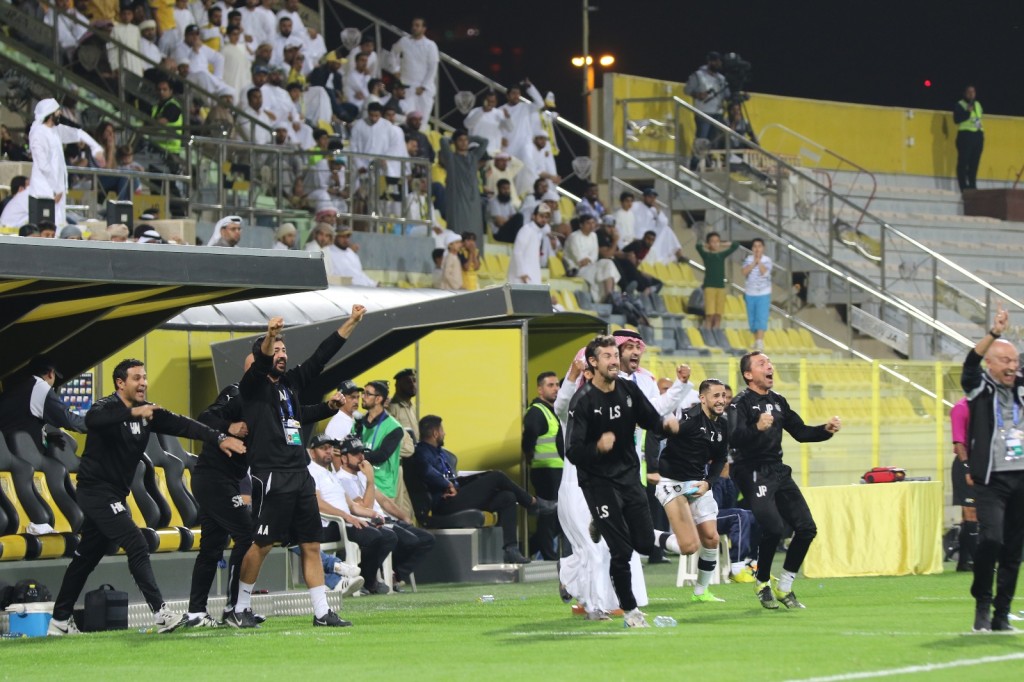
pixel 339 426
pixel 355 486
pixel 758 284
pixel 329 487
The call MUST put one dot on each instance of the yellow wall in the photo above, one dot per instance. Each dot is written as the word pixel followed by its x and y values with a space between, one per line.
pixel 872 136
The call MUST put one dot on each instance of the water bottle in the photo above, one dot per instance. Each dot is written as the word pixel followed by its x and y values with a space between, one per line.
pixel 664 622
pixel 147 631
pixel 13 635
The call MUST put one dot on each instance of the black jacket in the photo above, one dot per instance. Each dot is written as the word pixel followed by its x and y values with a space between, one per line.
pixel 116 442
pixel 263 407
pixel 593 412
pixel 697 452
pixel 753 448
pixel 981 391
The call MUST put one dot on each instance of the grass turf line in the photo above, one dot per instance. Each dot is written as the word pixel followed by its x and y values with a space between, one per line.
pixel 444 632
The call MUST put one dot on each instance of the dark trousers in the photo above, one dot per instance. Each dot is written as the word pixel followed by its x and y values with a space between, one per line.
pixel 738 525
pixel 1000 506
pixel 491 491
pixel 624 519
pixel 375 544
pixel 223 516
pixel 777 503
pixel 968 157
pixel 413 545
pixel 107 518
pixel 545 539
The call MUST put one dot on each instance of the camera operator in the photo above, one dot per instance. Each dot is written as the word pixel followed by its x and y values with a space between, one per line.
pixel 709 89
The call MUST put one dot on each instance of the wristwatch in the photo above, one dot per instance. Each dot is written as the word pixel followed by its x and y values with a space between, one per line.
pixel 222 437
pixel 993 334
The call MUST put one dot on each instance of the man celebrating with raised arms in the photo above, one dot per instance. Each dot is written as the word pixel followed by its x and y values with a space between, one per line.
pixel 603 417
pixel 759 416
pixel 283 492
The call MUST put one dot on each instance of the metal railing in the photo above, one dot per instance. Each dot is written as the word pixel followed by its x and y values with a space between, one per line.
pixel 887 265
pixel 131 178
pixel 231 175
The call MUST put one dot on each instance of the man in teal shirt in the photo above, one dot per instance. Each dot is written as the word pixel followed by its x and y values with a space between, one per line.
pixel 714 252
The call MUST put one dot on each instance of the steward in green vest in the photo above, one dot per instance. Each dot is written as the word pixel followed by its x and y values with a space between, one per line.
pixel 544 449
pixel 970 139
pixel 168 112
pixel 382 433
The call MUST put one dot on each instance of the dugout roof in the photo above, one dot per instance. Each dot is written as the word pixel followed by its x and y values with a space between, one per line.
pixel 81 301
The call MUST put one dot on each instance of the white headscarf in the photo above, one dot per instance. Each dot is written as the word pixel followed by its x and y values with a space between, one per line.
pixel 45 107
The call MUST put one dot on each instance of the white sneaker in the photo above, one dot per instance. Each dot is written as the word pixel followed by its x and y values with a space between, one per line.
pixel 203 621
pixel 635 619
pixel 59 628
pixel 347 570
pixel 598 614
pixel 168 621
pixel 349 586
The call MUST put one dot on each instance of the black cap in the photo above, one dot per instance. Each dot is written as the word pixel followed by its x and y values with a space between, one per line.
pixel 408 372
pixel 41 364
pixel 322 439
pixel 352 445
pixel 650 192
pixel 349 386
pixel 713 55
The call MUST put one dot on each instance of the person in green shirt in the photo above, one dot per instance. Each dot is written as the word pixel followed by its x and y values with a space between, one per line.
pixel 714 252
pixel 382 434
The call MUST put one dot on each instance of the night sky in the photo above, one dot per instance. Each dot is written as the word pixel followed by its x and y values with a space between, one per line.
pixel 868 51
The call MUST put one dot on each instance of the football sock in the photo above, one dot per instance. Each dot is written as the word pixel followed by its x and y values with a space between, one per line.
pixel 786 581
pixel 244 596
pixel 194 616
pixel 318 595
pixel 707 559
pixel 666 541
pixel 737 567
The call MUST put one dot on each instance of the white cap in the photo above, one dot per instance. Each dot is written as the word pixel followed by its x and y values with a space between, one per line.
pixel 451 238
pixel 45 107
pixel 549 196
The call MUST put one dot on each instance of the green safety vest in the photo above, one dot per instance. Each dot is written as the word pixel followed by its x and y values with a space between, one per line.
pixel 973 124
pixel 386 474
pixel 545 454
pixel 172 146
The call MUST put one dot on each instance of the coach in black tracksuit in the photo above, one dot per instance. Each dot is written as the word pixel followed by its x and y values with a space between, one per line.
pixel 284 499
pixel 223 513
pixel 994 454
pixel 758 417
pixel 118 432
pixel 603 417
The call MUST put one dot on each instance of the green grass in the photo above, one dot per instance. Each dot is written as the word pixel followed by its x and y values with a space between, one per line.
pixel 445 632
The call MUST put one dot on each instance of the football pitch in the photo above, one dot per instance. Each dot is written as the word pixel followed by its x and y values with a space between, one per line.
pixel 855 628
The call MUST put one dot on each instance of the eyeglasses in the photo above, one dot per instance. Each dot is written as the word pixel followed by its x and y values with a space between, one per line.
pixel 371 395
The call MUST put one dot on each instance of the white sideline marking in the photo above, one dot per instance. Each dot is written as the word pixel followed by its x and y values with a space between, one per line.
pixel 574 633
pixel 927 668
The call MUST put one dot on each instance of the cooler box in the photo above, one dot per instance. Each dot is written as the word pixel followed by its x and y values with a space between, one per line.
pixel 30 620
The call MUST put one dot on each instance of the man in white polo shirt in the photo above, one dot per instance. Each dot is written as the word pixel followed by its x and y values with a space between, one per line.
pixel 356 476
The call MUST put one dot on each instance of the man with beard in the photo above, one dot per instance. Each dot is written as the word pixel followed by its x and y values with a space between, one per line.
pixel 118 432
pixel 284 494
pixel 603 418
pixel 503 213
pixel 688 466
pixel 757 419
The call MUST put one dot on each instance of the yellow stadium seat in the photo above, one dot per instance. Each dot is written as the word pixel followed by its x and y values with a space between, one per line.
pixel 556 267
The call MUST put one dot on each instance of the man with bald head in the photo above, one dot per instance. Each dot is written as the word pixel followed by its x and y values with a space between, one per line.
pixel 995 398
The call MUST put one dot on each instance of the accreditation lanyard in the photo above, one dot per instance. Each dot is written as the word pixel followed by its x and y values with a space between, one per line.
pixel 292 434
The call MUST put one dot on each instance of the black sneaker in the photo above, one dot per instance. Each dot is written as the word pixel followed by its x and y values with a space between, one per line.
pixel 514 556
pixel 543 507
pixel 243 620
pixel 790 601
pixel 331 620
pixel 564 594
pixel 766 596
pixel 381 588
pixel 982 619
pixel 595 534
pixel 259 618
pixel 1001 623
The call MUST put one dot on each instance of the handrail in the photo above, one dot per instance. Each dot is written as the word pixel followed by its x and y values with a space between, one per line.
pixel 837 270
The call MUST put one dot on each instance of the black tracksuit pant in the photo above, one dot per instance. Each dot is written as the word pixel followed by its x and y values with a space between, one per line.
pixel 624 519
pixel 107 518
pixel 778 504
pixel 223 516
pixel 546 481
pixel 1000 506
pixel 968 157
pixel 491 491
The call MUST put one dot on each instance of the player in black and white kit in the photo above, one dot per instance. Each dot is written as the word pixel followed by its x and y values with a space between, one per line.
pixel 284 501
pixel 758 417
pixel 692 460
pixel 224 512
pixel 603 417
pixel 118 432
